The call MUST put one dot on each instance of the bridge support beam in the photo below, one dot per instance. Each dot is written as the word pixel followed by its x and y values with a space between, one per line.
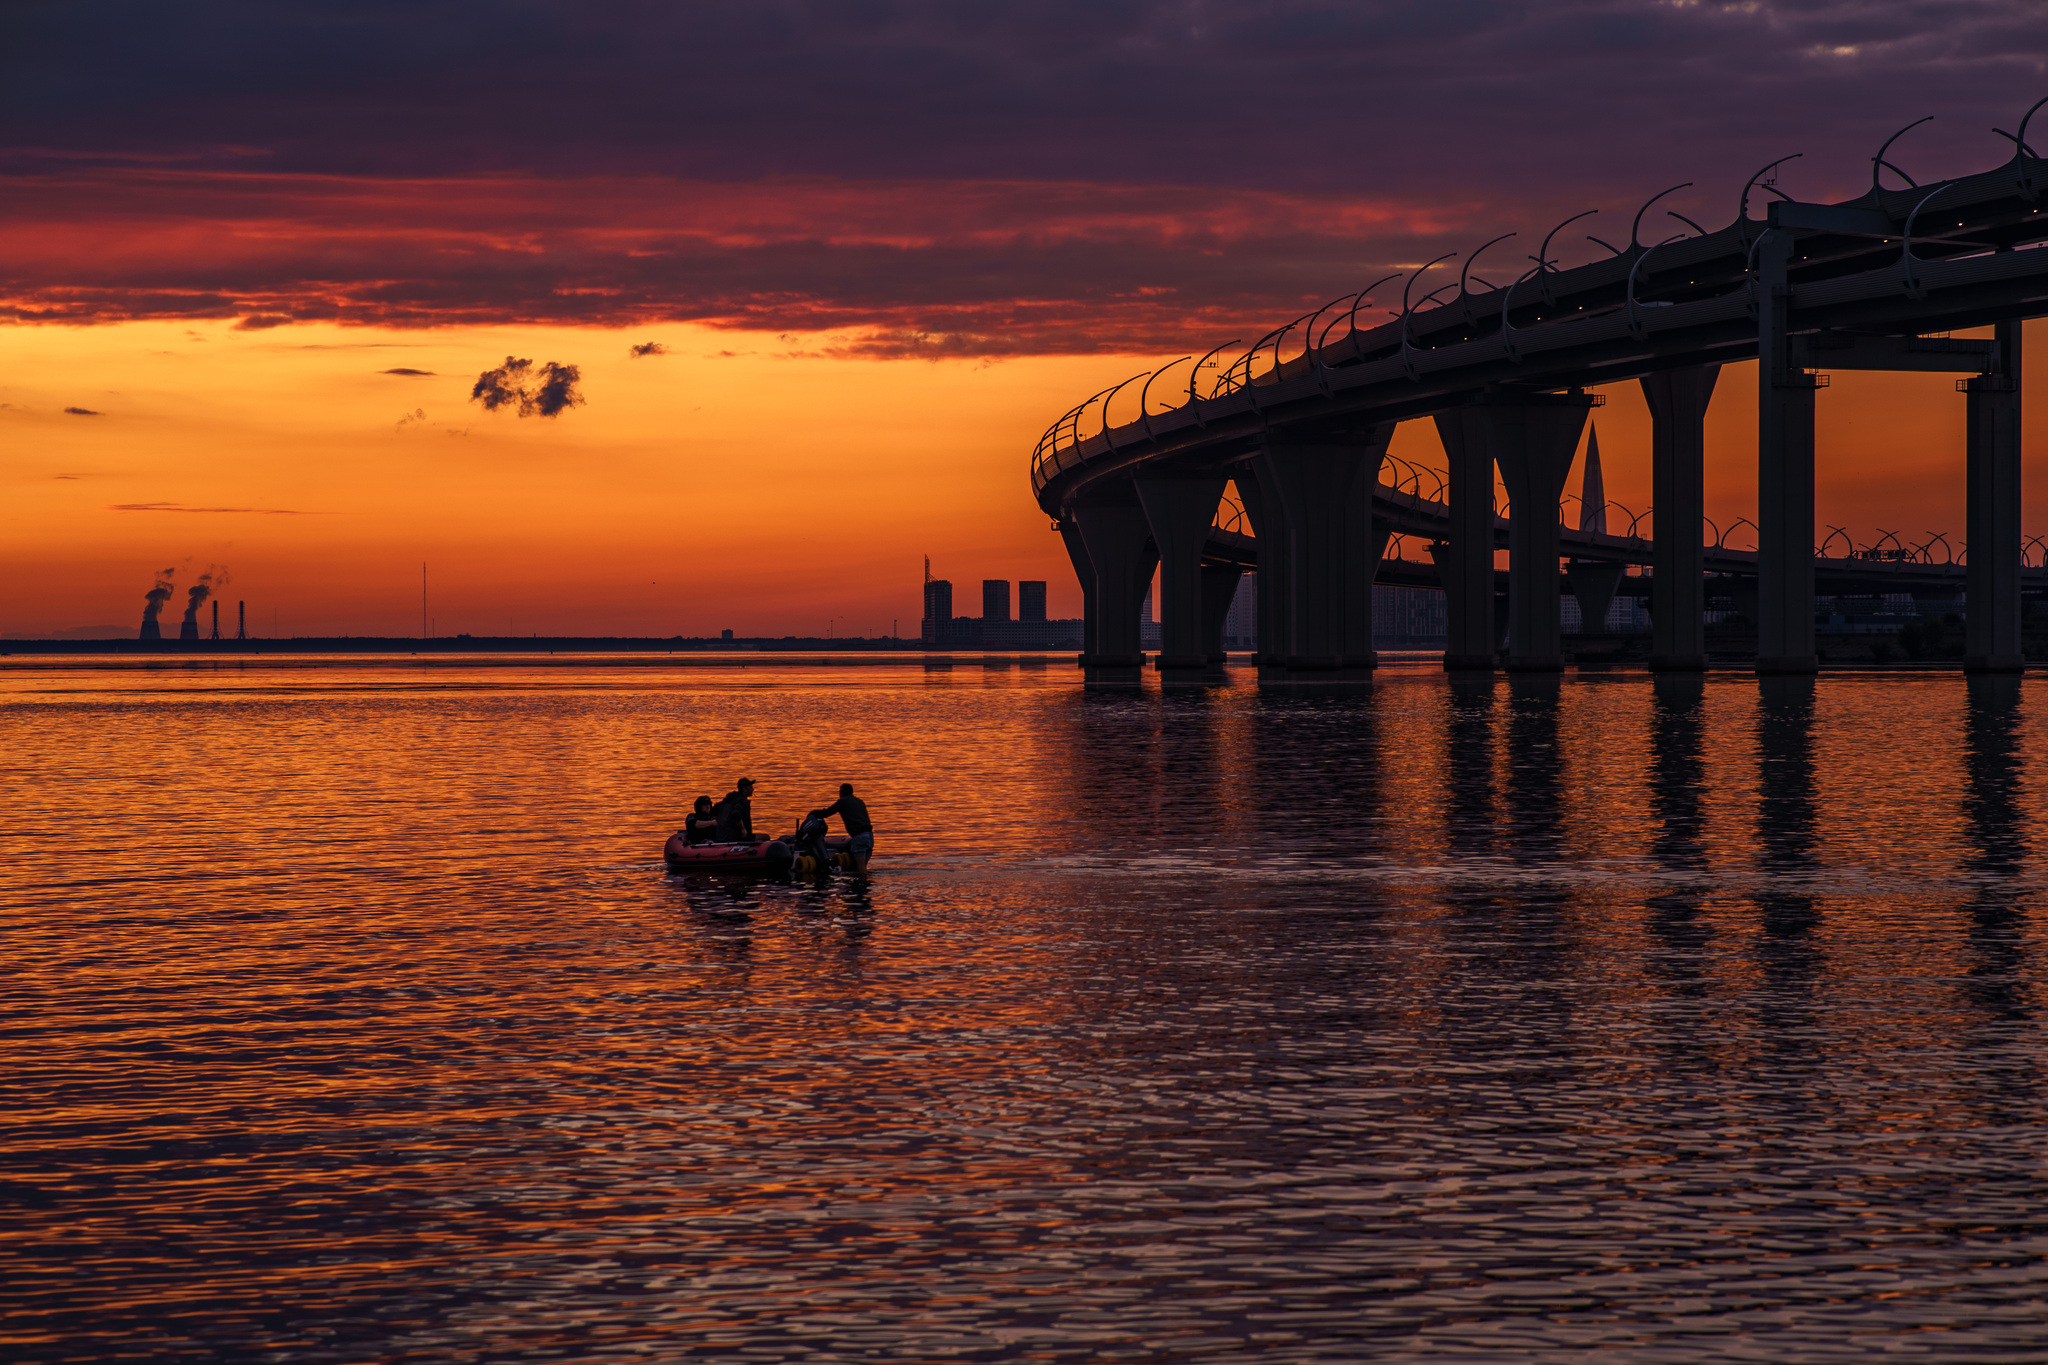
pixel 1678 604
pixel 1465 559
pixel 1219 590
pixel 1179 512
pixel 1534 440
pixel 1268 517
pixel 1784 483
pixel 1084 572
pixel 1320 496
pixel 1593 583
pixel 1992 623
pixel 1121 558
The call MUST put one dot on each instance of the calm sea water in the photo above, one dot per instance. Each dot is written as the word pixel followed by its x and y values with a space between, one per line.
pixel 350 1016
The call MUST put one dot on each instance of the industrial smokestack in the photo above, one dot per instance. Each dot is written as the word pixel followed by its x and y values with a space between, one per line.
pixel 154 604
pixel 216 622
pixel 241 620
pixel 195 597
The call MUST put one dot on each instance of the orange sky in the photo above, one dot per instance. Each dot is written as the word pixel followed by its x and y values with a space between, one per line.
pixel 730 483
pixel 742 480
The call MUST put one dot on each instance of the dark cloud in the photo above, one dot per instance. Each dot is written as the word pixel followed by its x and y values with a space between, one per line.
pixel 546 392
pixel 647 348
pixel 1001 268
pixel 1002 179
pixel 1278 93
pixel 419 374
pixel 557 389
pixel 504 387
pixel 84 412
pixel 179 507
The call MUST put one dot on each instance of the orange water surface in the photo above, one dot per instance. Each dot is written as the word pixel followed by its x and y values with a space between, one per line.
pixel 351 1015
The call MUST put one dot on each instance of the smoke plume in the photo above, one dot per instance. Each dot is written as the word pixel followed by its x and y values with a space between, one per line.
pixel 188 629
pixel 195 597
pixel 545 392
pixel 153 604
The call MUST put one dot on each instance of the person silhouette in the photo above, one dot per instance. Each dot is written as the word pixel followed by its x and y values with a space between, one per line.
pixel 736 814
pixel 853 812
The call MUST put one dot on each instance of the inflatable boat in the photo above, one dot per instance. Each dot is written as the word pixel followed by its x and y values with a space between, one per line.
pixel 764 855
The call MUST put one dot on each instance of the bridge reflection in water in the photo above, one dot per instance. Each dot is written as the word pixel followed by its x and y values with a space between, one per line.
pixel 1874 283
pixel 1459 1017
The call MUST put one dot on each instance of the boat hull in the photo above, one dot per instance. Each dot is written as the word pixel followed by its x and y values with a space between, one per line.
pixel 753 856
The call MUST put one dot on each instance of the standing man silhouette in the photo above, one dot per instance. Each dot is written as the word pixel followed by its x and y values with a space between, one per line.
pixel 861 830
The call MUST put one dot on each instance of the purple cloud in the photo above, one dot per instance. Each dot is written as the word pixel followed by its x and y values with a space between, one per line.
pixel 991 180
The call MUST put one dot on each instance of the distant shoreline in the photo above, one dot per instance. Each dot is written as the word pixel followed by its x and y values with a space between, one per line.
pixel 481 644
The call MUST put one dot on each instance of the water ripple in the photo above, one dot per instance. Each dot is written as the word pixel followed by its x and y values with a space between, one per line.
pixel 351 1016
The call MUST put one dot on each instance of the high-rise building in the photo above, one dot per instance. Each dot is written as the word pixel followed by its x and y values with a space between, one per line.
pixel 938 609
pixel 1241 626
pixel 1148 629
pixel 994 629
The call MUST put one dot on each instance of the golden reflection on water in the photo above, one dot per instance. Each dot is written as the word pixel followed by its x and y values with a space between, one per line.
pixel 352 1015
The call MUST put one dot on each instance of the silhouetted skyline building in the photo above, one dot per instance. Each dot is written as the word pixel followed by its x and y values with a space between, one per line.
pixel 994 628
pixel 938 609
pixel 1241 625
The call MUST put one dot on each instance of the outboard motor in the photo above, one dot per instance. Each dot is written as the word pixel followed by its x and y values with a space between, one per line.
pixel 810 844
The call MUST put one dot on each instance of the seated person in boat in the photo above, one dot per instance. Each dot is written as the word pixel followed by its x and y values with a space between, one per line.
pixel 853 812
pixel 736 814
pixel 700 824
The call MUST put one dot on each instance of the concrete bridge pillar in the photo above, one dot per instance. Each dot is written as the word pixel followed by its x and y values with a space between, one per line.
pixel 1084 571
pixel 1992 623
pixel 1784 484
pixel 1219 590
pixel 1533 440
pixel 1268 516
pixel 1678 605
pixel 1465 560
pixel 1179 512
pixel 1121 558
pixel 1322 494
pixel 1593 584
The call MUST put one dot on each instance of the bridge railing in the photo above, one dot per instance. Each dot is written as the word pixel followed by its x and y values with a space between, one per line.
pixel 1909 238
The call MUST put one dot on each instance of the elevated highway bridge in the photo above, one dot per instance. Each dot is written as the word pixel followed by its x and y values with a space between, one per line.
pixel 1301 421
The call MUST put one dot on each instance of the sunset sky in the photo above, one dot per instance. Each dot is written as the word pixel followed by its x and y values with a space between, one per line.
pixel 254 257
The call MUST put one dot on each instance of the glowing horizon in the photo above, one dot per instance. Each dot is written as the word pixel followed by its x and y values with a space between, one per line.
pixel 670 503
pixel 738 481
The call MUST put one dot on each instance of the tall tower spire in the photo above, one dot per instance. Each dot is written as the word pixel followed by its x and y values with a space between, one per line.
pixel 1593 492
